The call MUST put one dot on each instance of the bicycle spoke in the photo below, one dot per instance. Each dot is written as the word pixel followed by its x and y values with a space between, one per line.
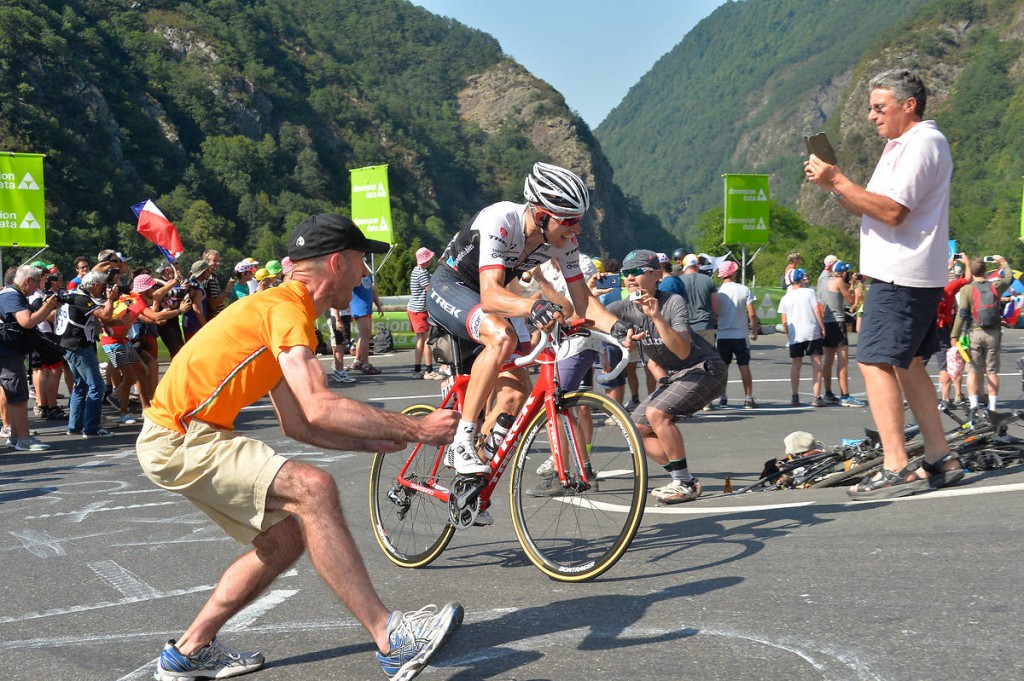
pixel 411 526
pixel 573 534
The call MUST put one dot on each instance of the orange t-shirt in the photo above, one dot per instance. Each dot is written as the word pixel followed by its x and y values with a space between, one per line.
pixel 232 361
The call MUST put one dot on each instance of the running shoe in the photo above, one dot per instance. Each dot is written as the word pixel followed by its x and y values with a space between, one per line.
pixel 546 468
pixel 830 398
pixel 723 401
pixel 29 444
pixel 484 519
pixel 343 376
pixel 39 411
pixel 819 402
pixel 795 402
pixel 851 401
pixel 749 403
pixel 549 487
pixel 213 661
pixel 127 420
pixel 416 374
pixel 415 636
pixel 102 432
pixel 432 375
pixel 678 491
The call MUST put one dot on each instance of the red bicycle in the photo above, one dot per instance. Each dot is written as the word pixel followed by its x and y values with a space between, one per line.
pixel 574 530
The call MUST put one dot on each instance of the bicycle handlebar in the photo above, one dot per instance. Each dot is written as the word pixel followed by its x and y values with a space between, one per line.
pixel 546 341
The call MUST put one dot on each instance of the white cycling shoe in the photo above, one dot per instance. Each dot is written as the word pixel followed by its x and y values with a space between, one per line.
pixel 463 459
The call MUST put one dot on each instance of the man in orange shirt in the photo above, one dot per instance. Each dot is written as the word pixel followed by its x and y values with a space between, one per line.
pixel 264 344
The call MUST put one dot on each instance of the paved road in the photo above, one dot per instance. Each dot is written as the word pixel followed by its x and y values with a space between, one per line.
pixel 99 568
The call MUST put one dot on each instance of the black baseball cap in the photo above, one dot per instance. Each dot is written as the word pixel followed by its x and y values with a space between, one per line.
pixel 329 233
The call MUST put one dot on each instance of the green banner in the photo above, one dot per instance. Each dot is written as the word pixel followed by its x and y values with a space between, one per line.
pixel 371 202
pixel 746 209
pixel 22 208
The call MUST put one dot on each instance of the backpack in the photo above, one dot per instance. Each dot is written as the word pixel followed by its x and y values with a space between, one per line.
pixel 382 341
pixel 985 307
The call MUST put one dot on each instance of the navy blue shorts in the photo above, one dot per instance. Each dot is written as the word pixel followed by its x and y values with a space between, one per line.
pixel 734 347
pixel 899 324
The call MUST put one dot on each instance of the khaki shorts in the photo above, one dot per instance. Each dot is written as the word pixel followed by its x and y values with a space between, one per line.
pixel 985 350
pixel 226 475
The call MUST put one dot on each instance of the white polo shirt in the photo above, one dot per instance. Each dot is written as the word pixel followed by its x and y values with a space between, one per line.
pixel 914 171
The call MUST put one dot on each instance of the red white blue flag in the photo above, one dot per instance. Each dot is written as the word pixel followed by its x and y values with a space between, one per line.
pixel 154 226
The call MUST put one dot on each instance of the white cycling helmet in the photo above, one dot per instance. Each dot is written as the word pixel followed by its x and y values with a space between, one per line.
pixel 556 190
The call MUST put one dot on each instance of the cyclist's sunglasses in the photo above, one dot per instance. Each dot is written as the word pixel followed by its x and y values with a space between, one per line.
pixel 636 271
pixel 567 221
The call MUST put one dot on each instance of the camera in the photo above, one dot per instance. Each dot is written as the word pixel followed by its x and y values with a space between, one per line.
pixel 60 294
pixel 112 275
pixel 958 256
pixel 636 295
pixel 989 258
pixel 50 280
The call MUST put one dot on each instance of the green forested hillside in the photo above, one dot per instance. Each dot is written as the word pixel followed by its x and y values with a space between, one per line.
pixel 745 85
pixel 691 117
pixel 239 117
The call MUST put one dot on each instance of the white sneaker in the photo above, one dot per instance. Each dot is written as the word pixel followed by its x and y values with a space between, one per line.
pixel 30 444
pixel 464 460
pixel 102 432
pixel 433 376
pixel 547 467
pixel 127 420
pixel 342 376
pixel 483 519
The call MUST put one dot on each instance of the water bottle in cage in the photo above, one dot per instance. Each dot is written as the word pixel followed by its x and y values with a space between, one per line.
pixel 498 433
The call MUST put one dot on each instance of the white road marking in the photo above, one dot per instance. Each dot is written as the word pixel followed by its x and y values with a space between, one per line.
pixel 98 507
pixel 41 544
pixel 55 612
pixel 128 584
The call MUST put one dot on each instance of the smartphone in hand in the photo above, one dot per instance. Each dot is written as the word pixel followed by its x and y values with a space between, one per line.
pixel 819 145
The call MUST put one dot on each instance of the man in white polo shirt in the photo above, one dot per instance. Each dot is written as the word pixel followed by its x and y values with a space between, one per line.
pixel 904 230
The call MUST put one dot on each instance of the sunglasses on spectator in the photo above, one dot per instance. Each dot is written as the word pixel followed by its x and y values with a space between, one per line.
pixel 636 271
pixel 567 221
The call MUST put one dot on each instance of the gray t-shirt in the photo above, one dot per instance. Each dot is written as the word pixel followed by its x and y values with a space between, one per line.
pixel 699 289
pixel 673 309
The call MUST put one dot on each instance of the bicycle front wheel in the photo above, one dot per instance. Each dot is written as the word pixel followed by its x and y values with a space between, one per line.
pixel 411 526
pixel 574 536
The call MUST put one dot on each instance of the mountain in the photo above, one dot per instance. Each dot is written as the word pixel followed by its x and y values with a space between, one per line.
pixel 738 93
pixel 241 117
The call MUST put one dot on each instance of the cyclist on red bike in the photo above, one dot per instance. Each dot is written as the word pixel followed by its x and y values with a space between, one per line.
pixel 473 292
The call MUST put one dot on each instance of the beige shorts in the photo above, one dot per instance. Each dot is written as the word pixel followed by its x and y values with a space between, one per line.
pixel 985 350
pixel 226 475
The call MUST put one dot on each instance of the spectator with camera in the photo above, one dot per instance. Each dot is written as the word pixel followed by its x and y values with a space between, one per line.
pixel 124 357
pixel 78 325
pixel 18 338
pixel 46 361
pixel 196 316
pixel 980 311
pixel 835 294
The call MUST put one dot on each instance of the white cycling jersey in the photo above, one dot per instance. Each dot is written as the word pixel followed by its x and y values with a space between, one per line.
pixel 496 238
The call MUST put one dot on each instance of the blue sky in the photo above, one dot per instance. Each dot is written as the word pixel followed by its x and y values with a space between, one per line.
pixel 592 51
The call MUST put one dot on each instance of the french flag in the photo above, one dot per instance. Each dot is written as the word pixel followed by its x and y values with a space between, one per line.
pixel 154 226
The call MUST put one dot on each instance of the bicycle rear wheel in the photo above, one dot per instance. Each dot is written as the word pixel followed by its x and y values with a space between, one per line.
pixel 574 536
pixel 411 527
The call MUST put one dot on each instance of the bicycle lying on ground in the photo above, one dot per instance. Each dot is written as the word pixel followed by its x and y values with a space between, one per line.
pixel 981 443
pixel 573 534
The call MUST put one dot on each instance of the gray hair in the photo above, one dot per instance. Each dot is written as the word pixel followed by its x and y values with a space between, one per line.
pixel 26 272
pixel 92 278
pixel 903 83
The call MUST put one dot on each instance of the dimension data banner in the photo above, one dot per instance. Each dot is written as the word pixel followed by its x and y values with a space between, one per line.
pixel 22 208
pixel 371 202
pixel 746 209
